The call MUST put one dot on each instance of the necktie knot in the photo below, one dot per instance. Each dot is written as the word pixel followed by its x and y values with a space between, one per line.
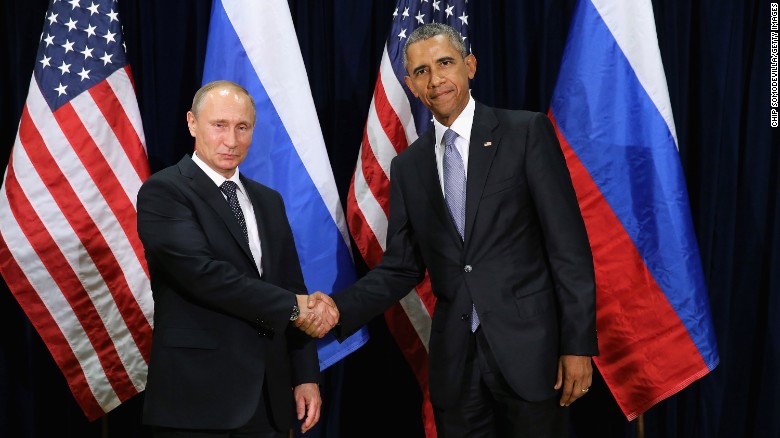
pixel 449 137
pixel 229 188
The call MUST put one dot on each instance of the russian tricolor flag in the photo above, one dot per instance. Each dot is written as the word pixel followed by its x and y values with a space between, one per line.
pixel 613 117
pixel 253 43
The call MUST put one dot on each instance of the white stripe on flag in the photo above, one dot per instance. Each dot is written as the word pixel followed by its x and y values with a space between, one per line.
pixel 122 87
pixel 632 23
pixel 97 206
pixel 418 316
pixel 283 65
pixel 397 97
pixel 57 306
pixel 368 205
pixel 65 238
pixel 109 145
pixel 91 198
pixel 383 149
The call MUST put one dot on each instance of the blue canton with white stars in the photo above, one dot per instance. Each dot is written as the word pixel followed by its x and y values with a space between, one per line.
pixel 81 45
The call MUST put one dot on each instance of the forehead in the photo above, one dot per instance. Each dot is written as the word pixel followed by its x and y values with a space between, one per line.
pixel 437 46
pixel 226 101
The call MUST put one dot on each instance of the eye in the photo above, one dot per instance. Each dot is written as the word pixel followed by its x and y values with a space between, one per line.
pixel 421 71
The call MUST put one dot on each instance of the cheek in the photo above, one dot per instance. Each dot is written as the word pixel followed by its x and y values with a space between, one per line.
pixel 419 87
pixel 244 146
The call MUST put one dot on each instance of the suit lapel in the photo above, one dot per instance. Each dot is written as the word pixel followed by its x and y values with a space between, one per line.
pixel 212 195
pixel 482 149
pixel 429 176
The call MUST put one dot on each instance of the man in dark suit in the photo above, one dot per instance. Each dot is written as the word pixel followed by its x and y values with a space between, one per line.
pixel 484 201
pixel 226 358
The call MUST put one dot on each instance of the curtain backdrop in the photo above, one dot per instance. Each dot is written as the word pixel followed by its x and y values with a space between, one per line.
pixel 716 56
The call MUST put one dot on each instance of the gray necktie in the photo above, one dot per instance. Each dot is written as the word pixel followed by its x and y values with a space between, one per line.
pixel 455 194
pixel 229 189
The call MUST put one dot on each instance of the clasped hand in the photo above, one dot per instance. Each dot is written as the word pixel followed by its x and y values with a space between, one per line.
pixel 319 314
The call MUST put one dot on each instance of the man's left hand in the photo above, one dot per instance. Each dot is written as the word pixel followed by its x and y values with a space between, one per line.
pixel 308 404
pixel 575 375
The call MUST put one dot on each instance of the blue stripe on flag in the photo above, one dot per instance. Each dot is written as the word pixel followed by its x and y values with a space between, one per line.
pixel 274 161
pixel 631 155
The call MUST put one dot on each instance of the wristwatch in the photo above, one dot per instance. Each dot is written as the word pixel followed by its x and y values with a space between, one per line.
pixel 296 312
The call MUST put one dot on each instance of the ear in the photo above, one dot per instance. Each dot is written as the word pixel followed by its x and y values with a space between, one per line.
pixel 471 64
pixel 410 85
pixel 191 122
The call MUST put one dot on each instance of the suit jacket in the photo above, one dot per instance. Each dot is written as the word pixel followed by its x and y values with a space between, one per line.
pixel 525 260
pixel 221 329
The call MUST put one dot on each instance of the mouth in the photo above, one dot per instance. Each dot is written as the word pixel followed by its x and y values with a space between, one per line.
pixel 438 94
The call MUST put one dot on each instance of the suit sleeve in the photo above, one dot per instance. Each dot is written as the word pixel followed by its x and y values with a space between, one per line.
pixel 565 237
pixel 399 271
pixel 177 247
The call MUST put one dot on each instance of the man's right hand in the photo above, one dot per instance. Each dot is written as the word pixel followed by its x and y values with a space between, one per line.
pixel 319 314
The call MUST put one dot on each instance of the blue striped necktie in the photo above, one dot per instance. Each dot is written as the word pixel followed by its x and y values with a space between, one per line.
pixel 455 194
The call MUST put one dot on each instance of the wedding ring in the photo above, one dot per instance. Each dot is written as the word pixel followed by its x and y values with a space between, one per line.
pixel 585 389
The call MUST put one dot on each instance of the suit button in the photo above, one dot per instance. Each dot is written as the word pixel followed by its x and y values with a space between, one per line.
pixel 467 269
pixel 464 317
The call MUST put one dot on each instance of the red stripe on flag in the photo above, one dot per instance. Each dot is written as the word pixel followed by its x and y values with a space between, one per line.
pixel 641 338
pixel 361 232
pixel 47 327
pixel 376 179
pixel 115 115
pixel 78 217
pixel 102 175
pixel 415 353
pixel 391 124
pixel 66 279
pixel 425 292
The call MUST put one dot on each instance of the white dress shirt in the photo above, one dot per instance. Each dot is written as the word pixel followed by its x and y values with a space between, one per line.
pixel 246 209
pixel 462 126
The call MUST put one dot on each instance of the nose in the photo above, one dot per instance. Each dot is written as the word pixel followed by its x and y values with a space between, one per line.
pixel 436 79
pixel 230 138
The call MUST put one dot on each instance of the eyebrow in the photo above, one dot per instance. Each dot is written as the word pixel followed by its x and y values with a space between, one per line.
pixel 439 60
pixel 228 121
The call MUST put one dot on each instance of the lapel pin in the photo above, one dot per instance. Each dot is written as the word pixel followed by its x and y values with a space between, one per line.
pixel 488 144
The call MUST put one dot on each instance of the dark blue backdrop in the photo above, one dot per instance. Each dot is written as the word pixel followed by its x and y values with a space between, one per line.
pixel 716 57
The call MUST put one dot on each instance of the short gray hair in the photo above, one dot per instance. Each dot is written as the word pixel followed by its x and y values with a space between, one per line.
pixel 431 30
pixel 197 101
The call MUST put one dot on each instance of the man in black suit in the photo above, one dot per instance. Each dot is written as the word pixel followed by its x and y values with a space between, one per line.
pixel 484 201
pixel 226 358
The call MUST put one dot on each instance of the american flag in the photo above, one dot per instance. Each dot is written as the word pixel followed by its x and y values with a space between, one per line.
pixel 69 250
pixel 395 119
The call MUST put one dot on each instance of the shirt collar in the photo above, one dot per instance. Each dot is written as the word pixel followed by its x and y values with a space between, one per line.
pixel 462 125
pixel 211 173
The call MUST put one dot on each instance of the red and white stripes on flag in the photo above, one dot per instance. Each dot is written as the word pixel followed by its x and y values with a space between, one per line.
pixel 69 249
pixel 395 119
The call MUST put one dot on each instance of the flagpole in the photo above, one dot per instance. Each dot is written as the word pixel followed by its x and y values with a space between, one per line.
pixel 104 426
pixel 640 426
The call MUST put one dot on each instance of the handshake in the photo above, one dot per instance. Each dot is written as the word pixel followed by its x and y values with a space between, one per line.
pixel 319 314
